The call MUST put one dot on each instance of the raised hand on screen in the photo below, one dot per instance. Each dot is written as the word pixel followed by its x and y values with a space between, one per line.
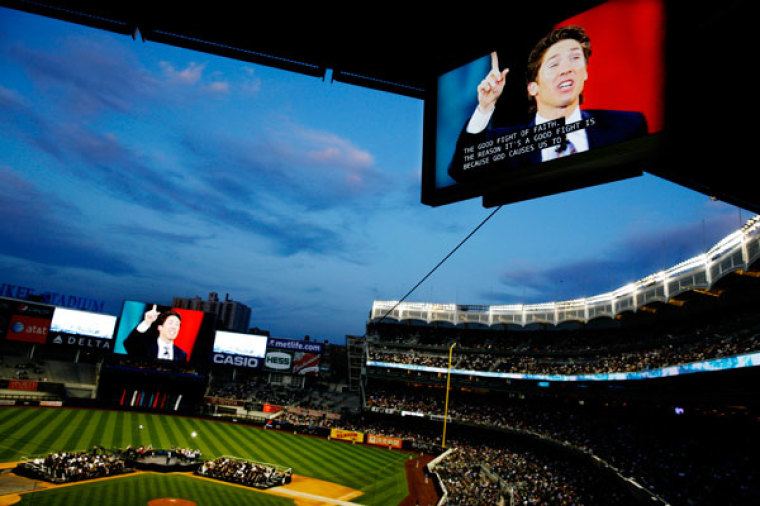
pixel 490 88
pixel 151 315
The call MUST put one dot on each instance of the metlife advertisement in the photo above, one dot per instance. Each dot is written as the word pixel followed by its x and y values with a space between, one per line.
pixel 293 357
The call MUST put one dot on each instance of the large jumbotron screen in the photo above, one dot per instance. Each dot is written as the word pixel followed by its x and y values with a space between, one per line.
pixel 144 327
pixel 574 108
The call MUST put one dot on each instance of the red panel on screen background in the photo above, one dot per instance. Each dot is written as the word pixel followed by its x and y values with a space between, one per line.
pixel 191 324
pixel 626 68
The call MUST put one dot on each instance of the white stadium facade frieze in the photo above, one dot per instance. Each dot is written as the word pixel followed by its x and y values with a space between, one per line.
pixel 733 254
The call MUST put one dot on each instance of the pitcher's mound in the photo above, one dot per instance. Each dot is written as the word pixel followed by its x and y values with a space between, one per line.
pixel 170 501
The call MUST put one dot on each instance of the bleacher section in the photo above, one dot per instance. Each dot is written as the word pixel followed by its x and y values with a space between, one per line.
pixel 58 378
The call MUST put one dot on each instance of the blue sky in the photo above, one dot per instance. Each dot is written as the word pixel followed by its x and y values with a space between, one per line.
pixel 135 170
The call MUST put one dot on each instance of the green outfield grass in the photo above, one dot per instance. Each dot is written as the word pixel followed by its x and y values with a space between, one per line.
pixel 134 490
pixel 29 432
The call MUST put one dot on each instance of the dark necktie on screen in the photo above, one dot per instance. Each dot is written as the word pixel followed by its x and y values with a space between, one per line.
pixel 166 353
pixel 566 148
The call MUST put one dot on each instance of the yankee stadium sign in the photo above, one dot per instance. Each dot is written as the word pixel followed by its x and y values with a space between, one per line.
pixel 52 298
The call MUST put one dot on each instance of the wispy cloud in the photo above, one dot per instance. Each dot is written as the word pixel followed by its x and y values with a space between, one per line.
pixel 33 230
pixel 633 257
pixel 190 75
pixel 85 77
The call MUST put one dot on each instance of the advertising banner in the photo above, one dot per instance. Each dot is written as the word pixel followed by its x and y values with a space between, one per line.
pixel 293 345
pixel 306 364
pixel 236 360
pixel 223 401
pixel 26 321
pixel 347 435
pixel 26 385
pixel 393 442
pixel 278 361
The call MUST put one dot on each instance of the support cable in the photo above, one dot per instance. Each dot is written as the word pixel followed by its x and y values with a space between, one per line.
pixel 441 262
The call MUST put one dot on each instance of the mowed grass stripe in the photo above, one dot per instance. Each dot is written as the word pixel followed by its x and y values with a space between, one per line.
pixel 345 460
pixel 335 461
pixel 224 438
pixel 58 431
pixel 75 429
pixel 285 449
pixel 14 419
pixel 125 431
pixel 250 443
pixel 145 435
pixel 26 433
pixel 141 436
pixel 139 489
pixel 171 432
pixel 291 453
pixel 157 432
pixel 183 432
pixel 93 431
pixel 43 428
pixel 207 441
pixel 110 431
pixel 330 460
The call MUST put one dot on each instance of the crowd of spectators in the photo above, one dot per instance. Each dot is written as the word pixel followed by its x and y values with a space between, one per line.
pixel 483 470
pixel 310 418
pixel 557 360
pixel 484 475
pixel 673 456
pixel 466 479
pixel 474 473
pixel 257 390
pixel 243 472
pixel 14 368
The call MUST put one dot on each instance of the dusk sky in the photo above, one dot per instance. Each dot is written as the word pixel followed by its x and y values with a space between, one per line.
pixel 135 170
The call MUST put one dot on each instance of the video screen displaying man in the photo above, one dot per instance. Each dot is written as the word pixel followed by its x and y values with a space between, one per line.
pixel 155 332
pixel 557 71
pixel 154 337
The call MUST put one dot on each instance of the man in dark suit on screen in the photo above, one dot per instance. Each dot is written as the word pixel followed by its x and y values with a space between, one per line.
pixel 153 338
pixel 556 75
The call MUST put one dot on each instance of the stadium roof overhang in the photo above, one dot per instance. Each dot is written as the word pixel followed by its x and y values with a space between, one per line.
pixel 399 47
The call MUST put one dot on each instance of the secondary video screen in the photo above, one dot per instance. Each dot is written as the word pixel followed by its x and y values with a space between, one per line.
pixel 236 343
pixel 584 84
pixel 82 323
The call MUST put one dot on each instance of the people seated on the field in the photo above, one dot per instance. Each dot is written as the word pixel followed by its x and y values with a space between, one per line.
pixel 66 467
pixel 251 474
